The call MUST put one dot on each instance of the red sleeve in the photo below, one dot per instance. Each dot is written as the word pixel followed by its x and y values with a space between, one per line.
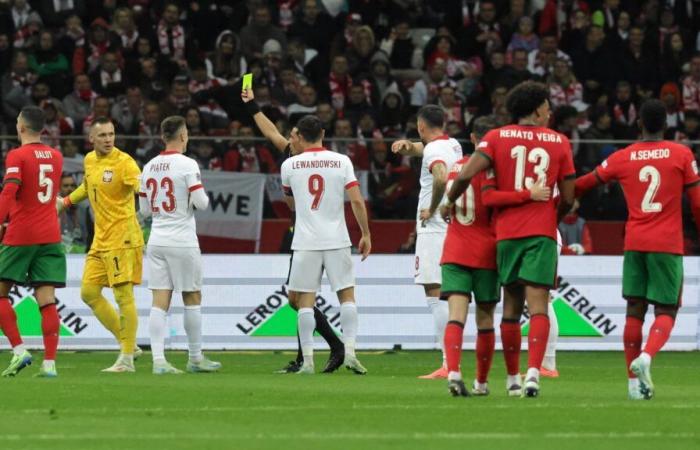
pixel 495 198
pixel 8 197
pixel 487 145
pixel 13 167
pixel 690 169
pixel 586 183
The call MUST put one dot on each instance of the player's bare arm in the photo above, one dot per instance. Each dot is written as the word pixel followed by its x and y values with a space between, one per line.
pixel 358 209
pixel 567 188
pixel 439 172
pixel 265 125
pixel 407 148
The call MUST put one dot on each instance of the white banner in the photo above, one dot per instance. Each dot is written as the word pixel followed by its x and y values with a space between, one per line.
pixel 245 307
pixel 235 205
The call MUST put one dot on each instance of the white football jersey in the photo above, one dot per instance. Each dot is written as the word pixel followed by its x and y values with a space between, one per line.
pixel 167 181
pixel 448 151
pixel 318 179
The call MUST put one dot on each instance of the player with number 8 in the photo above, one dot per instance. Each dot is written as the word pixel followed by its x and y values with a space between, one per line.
pixel 115 258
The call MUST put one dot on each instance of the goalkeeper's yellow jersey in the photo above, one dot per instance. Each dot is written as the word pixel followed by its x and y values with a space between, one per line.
pixel 110 183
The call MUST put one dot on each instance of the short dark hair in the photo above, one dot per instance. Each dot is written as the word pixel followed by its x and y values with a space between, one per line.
pixel 653 115
pixel 310 128
pixel 102 121
pixel 34 118
pixel 525 98
pixel 170 126
pixel 483 125
pixel 433 115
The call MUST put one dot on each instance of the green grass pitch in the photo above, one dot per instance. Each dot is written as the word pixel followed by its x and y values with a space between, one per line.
pixel 246 406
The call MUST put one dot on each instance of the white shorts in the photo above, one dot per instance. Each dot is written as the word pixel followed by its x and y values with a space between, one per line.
pixel 308 265
pixel 176 269
pixel 428 254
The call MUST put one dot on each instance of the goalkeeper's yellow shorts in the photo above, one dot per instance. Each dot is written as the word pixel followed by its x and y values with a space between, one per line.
pixel 114 267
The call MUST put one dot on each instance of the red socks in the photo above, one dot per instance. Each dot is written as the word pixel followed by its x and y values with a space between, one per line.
pixel 453 344
pixel 8 322
pixel 537 340
pixel 485 347
pixel 632 340
pixel 510 338
pixel 49 328
pixel 658 334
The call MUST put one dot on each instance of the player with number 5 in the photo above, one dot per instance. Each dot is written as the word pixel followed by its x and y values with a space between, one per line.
pixel 115 258
pixel 653 175
pixel 522 155
pixel 31 251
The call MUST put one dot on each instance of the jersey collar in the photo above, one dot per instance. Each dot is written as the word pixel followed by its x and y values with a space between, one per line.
pixel 315 149
pixel 169 152
pixel 442 137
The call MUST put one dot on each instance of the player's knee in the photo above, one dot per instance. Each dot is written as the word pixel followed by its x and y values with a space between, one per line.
pixel 124 294
pixel 90 293
pixel 293 298
pixel 663 310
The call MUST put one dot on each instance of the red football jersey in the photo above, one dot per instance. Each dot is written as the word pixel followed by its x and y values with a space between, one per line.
pixel 34 219
pixel 653 176
pixel 470 239
pixel 521 155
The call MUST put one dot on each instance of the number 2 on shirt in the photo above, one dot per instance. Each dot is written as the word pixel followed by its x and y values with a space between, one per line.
pixel 650 174
pixel 316 187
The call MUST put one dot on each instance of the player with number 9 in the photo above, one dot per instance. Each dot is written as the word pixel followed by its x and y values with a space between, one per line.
pixel 115 258
pixel 653 175
pixel 31 251
pixel 522 155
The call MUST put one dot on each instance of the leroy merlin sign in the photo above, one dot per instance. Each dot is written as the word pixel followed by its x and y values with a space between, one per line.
pixel 576 314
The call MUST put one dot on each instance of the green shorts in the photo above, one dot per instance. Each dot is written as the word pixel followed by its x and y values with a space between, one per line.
pixel 462 280
pixel 33 265
pixel 530 260
pixel 656 277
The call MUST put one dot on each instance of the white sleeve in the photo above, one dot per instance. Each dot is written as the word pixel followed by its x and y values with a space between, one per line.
pixel 285 175
pixel 432 156
pixel 199 199
pixel 349 175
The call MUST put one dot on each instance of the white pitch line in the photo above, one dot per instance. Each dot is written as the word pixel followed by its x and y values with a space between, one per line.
pixel 338 436
pixel 448 406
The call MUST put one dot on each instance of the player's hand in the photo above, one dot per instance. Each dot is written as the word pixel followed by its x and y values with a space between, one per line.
pixel 446 212
pixel 402 146
pixel 59 204
pixel 365 246
pixel 576 248
pixel 247 95
pixel 3 227
pixel 539 192
pixel 425 215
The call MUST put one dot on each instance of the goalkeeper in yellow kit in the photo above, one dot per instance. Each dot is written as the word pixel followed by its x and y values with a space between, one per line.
pixel 115 258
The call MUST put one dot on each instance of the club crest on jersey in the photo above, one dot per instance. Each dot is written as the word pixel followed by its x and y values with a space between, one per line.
pixel 107 176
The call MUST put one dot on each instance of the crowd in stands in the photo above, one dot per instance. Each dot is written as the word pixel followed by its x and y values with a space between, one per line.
pixel 363 66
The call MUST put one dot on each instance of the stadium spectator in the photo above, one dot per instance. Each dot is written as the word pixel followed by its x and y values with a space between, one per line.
pixel 108 79
pixel 360 52
pixel 671 96
pixel 78 103
pixel 259 31
pixel 591 154
pixel 639 66
pixel 524 38
pixel 313 27
pixel 307 62
pixel 48 63
pixel 399 45
pixel 172 41
pixel 392 115
pixel 691 86
pixel 228 61
pixel 327 114
pixel 452 105
pixel 56 12
pixel 149 131
pixel 483 35
pixel 100 110
pixel 16 85
pixel 675 58
pixel 306 104
pixel 352 148
pixel 74 220
pixel 57 124
pixel 86 58
pixel 624 112
pixel 564 88
pixel 339 82
pixel 591 63
pixel 246 155
pixel 425 90
pixel 124 26
pixel 541 61
pixel 127 111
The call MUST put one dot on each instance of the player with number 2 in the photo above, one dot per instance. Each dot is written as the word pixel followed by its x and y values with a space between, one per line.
pixel 115 258
pixel 522 155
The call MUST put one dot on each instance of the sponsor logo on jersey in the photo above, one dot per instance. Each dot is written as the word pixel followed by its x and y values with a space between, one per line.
pixel 275 317
pixel 107 176
pixel 577 315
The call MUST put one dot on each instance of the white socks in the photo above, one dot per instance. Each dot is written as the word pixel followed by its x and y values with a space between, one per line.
pixel 193 327
pixel 306 326
pixel 441 314
pixel 19 349
pixel 533 373
pixel 348 321
pixel 633 384
pixel 550 354
pixel 156 329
